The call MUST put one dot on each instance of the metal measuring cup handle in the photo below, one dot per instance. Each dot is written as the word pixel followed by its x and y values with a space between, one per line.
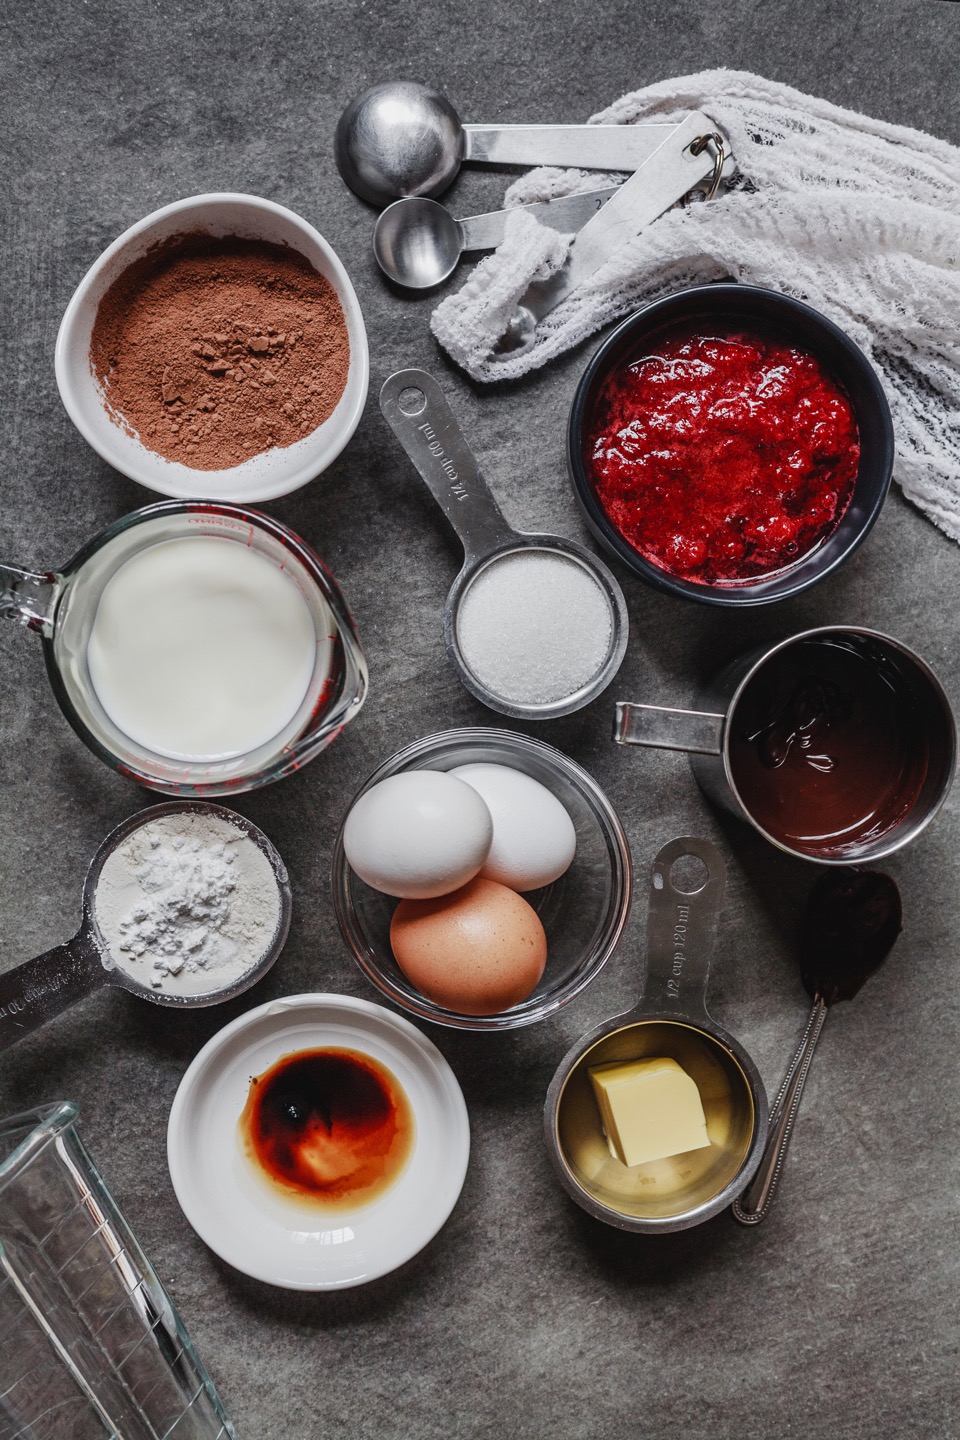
pixel 681 937
pixel 657 727
pixel 682 931
pixel 39 989
pixel 417 412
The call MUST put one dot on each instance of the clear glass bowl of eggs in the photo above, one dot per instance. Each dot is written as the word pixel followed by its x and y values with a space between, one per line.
pixel 481 879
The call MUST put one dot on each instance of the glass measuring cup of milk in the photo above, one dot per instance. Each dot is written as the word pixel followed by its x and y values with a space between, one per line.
pixel 201 649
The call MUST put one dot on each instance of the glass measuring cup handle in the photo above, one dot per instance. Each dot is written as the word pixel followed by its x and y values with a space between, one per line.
pixel 36 991
pixel 29 597
pixel 417 412
pixel 699 732
pixel 682 926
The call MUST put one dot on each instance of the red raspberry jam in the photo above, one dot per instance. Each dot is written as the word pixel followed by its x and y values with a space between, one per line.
pixel 724 456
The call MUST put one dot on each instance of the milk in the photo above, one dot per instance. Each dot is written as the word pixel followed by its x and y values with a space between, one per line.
pixel 202 649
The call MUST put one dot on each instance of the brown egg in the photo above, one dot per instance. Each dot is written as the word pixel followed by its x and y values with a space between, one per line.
pixel 478 950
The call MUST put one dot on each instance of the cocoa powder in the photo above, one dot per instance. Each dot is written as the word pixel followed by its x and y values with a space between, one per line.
pixel 212 351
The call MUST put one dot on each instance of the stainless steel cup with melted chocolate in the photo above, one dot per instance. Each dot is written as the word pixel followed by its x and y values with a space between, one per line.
pixel 838 745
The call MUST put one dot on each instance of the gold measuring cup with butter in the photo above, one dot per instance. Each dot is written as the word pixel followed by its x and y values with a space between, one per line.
pixel 201 649
pixel 656 1120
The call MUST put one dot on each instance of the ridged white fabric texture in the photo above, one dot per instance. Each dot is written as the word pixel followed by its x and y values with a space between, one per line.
pixel 858 217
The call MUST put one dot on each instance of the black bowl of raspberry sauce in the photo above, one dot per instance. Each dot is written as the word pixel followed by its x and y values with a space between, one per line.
pixel 730 445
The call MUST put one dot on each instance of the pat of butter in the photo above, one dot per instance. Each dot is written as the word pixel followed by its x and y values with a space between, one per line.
pixel 651 1109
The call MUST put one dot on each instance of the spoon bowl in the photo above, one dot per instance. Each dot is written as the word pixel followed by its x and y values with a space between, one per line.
pixel 398 138
pixel 852 920
pixel 417 242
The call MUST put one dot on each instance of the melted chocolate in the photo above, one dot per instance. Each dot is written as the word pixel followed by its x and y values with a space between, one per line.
pixel 853 919
pixel 829 747
pixel 328 1125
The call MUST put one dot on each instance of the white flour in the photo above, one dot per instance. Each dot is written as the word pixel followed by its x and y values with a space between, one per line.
pixel 187 904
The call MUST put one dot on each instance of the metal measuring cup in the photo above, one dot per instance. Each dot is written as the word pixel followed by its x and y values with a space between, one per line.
pixel 707 733
pixel 670 1021
pixel 36 991
pixel 416 409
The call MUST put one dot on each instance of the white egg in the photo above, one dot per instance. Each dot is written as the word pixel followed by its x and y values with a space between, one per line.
pixel 534 840
pixel 419 834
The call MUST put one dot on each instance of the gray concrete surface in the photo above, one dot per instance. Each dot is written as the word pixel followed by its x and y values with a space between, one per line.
pixel 836 1320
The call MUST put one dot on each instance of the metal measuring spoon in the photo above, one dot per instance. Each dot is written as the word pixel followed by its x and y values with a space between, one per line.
pixel 852 921
pixel 400 138
pixel 417 242
pixel 39 989
pixel 417 411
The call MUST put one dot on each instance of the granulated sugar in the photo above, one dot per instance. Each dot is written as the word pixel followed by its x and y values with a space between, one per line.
pixel 534 627
pixel 187 904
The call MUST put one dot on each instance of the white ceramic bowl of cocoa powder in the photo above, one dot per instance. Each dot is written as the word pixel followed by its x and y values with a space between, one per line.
pixel 239 415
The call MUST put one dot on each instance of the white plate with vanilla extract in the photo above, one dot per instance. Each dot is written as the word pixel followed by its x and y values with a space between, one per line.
pixel 318 1142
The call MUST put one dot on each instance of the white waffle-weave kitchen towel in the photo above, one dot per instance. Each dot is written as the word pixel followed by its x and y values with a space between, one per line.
pixel 858 217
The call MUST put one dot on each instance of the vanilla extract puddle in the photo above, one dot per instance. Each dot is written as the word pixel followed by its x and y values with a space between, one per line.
pixel 331 1126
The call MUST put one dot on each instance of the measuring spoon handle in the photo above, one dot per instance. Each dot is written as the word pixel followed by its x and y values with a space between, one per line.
pixel 567 212
pixel 36 991
pixel 417 412
pixel 754 1204
pixel 672 171
pixel 591 147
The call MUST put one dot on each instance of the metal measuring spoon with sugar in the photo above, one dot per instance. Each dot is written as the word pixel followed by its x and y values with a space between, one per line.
pixel 417 242
pixel 852 921
pixel 400 138
pixel 566 630
pixel 39 989
pixel 693 154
